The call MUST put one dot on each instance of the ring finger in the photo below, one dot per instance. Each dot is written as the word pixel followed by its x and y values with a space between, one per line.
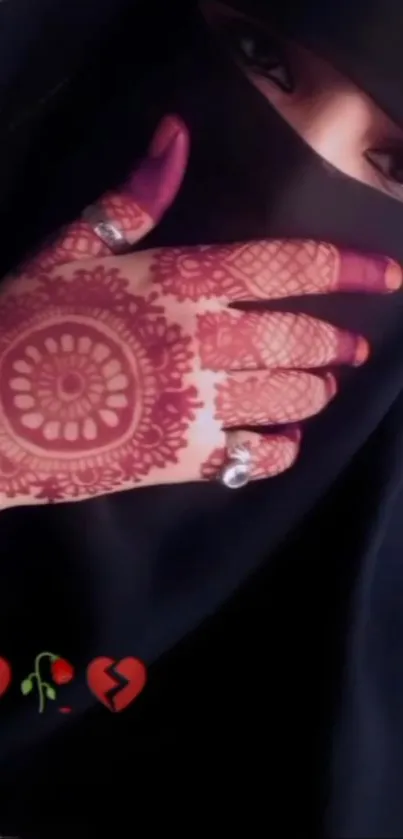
pixel 272 397
pixel 270 454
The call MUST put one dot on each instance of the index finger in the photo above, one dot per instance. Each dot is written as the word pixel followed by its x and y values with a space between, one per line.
pixel 133 210
pixel 271 269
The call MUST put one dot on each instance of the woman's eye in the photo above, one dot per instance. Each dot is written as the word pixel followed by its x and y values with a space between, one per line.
pixel 389 162
pixel 260 53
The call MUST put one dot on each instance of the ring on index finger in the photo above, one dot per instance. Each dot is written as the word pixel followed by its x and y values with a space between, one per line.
pixel 107 230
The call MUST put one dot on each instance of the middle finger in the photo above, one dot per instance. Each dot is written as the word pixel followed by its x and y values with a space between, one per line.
pixel 236 340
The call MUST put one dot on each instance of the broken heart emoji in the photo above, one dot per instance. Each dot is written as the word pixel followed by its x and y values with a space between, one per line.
pixel 116 683
pixel 5 675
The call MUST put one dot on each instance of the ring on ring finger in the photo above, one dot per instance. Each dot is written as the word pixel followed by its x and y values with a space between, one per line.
pixel 236 472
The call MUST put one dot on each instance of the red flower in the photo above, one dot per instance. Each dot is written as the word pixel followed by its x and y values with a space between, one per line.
pixel 62 671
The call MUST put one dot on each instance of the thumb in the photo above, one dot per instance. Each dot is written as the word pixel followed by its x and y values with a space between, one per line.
pixel 135 209
pixel 155 184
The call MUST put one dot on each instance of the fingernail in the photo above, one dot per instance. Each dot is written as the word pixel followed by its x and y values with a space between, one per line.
pixel 167 129
pixel 155 183
pixel 368 273
pixel 331 385
pixel 393 276
pixel 361 351
pixel 353 349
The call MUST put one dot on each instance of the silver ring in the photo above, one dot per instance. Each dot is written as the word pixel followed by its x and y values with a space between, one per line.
pixel 237 472
pixel 110 233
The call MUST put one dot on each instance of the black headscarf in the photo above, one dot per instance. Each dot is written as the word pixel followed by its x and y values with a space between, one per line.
pixel 273 592
pixel 66 109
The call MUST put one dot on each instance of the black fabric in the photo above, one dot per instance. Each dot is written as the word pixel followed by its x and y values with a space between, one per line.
pixel 269 619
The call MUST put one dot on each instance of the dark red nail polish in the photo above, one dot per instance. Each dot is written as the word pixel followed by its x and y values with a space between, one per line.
pixel 352 349
pixel 359 272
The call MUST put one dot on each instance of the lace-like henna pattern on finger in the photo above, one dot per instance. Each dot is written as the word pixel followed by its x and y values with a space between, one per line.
pixel 277 397
pixel 78 240
pixel 92 390
pixel 231 341
pixel 271 455
pixel 256 270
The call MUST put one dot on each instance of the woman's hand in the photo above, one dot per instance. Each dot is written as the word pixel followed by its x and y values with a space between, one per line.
pixel 125 371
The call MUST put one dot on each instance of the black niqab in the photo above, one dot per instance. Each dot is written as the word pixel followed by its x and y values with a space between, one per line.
pixel 270 619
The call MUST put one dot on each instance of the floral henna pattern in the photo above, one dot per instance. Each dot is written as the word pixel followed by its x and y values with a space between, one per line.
pixel 77 240
pixel 89 397
pixel 256 270
pixel 15 478
pixel 271 455
pixel 190 274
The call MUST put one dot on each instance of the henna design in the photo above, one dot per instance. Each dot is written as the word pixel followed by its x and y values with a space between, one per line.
pixel 89 396
pixel 78 240
pixel 15 478
pixel 283 269
pixel 135 208
pixel 264 270
pixel 122 208
pixel 271 455
pixel 272 397
pixel 192 273
pixel 247 340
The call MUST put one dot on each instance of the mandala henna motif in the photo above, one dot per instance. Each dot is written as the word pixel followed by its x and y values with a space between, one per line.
pixel 85 482
pixel 15 479
pixel 89 396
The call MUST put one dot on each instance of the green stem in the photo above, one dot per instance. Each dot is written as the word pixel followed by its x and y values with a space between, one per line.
pixel 37 676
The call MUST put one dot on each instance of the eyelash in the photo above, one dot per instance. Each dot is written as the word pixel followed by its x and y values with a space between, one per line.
pixel 262 55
